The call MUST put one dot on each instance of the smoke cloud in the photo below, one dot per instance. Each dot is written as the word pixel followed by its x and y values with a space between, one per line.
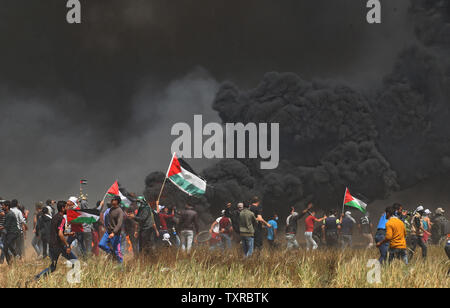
pixel 335 135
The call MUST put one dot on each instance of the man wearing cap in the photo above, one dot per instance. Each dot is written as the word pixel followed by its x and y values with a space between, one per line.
pixel 417 231
pixel 438 227
pixel 427 224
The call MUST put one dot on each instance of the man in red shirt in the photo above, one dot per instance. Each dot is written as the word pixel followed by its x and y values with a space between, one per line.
pixel 163 217
pixel 225 230
pixel 309 228
pixel 76 228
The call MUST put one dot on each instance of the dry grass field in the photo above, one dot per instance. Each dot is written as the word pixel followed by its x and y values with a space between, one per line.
pixel 218 269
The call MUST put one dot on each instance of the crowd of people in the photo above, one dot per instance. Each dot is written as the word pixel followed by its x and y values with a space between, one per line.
pixel 143 227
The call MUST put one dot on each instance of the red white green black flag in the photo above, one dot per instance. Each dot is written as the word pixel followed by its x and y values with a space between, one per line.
pixel 182 175
pixel 87 216
pixel 349 200
pixel 116 190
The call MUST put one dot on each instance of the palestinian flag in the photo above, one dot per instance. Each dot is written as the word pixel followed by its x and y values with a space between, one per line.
pixel 83 182
pixel 184 177
pixel 88 216
pixel 116 190
pixel 349 200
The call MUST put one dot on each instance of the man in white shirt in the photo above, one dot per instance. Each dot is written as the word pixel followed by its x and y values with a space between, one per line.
pixel 21 224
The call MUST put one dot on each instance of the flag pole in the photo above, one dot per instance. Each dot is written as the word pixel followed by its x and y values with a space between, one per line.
pixel 164 183
pixel 343 201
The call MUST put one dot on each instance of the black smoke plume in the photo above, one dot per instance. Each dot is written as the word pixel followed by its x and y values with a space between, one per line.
pixel 333 135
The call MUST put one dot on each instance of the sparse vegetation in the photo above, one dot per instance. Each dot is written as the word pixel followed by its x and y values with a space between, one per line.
pixel 276 269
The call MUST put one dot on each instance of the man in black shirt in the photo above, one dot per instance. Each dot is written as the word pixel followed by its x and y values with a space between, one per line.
pixel 256 208
pixel 330 228
pixel 43 228
pixel 58 244
pixel 12 232
pixel 347 223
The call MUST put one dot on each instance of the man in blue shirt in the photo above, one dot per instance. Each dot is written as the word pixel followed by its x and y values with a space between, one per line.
pixel 379 236
pixel 272 231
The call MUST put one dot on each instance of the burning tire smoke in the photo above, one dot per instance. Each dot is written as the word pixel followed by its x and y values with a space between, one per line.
pixel 374 141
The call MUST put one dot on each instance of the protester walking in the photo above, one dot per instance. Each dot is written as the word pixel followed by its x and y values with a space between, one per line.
pixel 225 231
pixel 43 228
pixel 188 225
pixel 309 229
pixel 58 243
pixel 12 232
pixel 21 225
pixel 331 226
pixel 380 236
pixel 395 236
pixel 256 208
pixel 145 227
pixel 247 224
pixel 291 226
pixel 427 225
pixel 417 231
pixel 347 224
pixel 365 227
pixel 272 231
pixel 112 236
pixel 439 221
pixel 36 242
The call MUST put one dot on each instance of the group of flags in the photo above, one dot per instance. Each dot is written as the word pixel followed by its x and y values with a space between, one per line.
pixel 182 176
pixel 179 173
